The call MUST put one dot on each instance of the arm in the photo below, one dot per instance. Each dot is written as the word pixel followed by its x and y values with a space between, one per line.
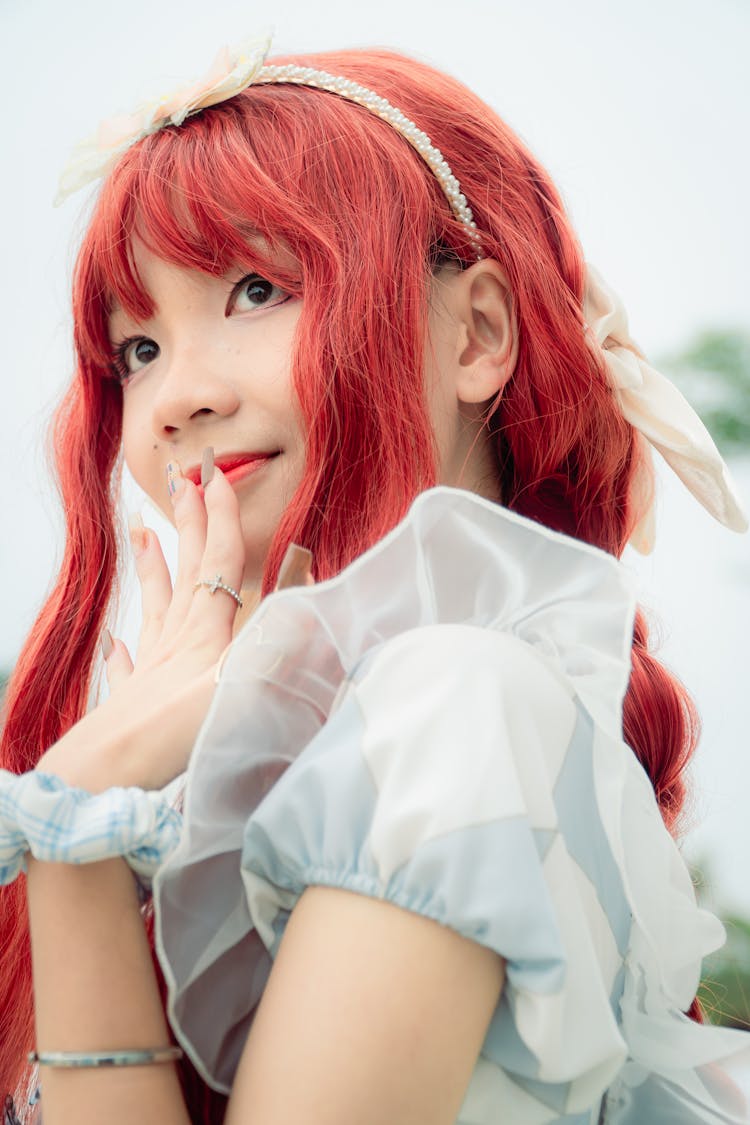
pixel 373 1007
pixel 94 983
pixel 95 989
pixel 386 1028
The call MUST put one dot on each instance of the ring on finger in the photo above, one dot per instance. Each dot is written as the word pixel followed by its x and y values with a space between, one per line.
pixel 214 584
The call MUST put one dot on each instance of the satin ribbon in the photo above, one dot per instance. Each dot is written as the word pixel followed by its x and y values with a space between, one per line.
pixel 654 406
pixel 230 72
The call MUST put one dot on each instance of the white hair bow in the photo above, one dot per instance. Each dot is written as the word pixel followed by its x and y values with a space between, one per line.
pixel 660 413
pixel 230 72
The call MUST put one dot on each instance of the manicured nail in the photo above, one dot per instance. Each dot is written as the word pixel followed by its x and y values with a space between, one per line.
pixel 106 643
pixel 138 534
pixel 175 480
pixel 207 465
pixel 296 567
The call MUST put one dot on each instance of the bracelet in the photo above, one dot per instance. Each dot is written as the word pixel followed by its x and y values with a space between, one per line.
pixel 138 1057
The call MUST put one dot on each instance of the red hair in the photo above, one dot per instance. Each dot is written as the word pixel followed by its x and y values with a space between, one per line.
pixel 366 223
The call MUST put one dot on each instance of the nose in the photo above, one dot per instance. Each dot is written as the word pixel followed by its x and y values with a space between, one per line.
pixel 191 394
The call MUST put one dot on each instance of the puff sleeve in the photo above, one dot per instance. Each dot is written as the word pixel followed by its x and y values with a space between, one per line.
pixel 435 785
pixel 451 743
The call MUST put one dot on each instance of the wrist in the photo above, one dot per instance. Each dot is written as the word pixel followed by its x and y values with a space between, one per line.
pixel 43 815
pixel 81 768
pixel 121 744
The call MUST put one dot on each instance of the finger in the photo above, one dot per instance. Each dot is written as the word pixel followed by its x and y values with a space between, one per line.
pixel 117 663
pixel 296 568
pixel 216 600
pixel 154 580
pixel 191 522
pixel 218 667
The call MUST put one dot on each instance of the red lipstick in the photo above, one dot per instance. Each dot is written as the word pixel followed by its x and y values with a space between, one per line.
pixel 235 466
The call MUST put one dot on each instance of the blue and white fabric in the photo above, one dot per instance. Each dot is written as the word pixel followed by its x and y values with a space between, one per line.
pixel 57 823
pixel 440 727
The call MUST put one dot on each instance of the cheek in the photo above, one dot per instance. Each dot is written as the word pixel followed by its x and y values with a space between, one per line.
pixel 141 455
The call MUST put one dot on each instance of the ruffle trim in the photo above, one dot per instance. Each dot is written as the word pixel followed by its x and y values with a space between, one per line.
pixel 455 559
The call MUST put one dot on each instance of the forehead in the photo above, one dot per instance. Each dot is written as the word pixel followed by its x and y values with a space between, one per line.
pixel 157 276
pixel 164 282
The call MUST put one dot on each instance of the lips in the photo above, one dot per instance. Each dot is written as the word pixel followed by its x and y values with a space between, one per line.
pixel 234 466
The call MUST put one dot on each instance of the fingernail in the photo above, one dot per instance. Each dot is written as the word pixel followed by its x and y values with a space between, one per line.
pixel 106 643
pixel 175 480
pixel 138 534
pixel 207 465
pixel 296 567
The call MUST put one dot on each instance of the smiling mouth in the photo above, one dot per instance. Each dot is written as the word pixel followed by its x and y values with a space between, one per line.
pixel 235 467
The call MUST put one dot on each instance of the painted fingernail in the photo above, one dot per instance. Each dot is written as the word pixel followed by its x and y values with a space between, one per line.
pixel 175 480
pixel 207 465
pixel 296 567
pixel 138 534
pixel 107 644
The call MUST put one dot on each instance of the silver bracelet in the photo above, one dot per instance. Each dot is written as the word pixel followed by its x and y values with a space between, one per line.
pixel 138 1057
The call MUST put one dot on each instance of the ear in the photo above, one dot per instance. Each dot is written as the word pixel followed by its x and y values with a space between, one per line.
pixel 482 304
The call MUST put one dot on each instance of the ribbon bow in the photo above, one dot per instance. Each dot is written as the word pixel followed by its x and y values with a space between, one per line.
pixel 654 406
pixel 230 72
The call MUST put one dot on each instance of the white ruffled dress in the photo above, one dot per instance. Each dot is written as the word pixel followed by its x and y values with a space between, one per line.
pixel 439 726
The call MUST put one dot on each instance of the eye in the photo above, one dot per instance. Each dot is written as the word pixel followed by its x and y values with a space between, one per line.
pixel 131 355
pixel 255 292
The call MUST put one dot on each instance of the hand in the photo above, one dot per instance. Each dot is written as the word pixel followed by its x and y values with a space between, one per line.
pixel 143 733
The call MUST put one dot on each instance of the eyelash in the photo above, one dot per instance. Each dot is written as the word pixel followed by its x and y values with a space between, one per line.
pixel 255 277
pixel 119 365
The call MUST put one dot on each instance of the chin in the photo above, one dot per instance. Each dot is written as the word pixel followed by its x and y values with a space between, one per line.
pixel 260 517
pixel 258 541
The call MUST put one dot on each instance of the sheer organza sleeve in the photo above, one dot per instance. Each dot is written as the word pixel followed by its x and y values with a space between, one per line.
pixel 451 742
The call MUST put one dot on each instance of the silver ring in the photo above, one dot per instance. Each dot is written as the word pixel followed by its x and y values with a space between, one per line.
pixel 214 584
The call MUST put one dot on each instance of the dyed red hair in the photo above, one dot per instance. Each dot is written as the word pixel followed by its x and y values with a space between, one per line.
pixel 283 167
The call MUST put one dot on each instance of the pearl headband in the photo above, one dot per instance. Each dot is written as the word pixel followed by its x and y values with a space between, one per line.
pixel 231 73
pixel 353 92
pixel 648 401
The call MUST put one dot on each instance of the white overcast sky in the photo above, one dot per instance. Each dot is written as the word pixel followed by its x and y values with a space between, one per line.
pixel 639 108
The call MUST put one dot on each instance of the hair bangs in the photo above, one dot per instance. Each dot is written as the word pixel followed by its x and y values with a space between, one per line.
pixel 171 194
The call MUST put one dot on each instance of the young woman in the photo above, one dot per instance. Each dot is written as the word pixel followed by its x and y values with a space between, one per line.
pixel 423 871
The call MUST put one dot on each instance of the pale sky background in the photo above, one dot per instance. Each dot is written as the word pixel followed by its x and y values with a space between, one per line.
pixel 639 108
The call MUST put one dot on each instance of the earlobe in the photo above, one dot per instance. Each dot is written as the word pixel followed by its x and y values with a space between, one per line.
pixel 489 332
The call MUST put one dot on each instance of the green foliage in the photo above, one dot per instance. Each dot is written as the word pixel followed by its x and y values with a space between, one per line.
pixel 725 990
pixel 713 372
